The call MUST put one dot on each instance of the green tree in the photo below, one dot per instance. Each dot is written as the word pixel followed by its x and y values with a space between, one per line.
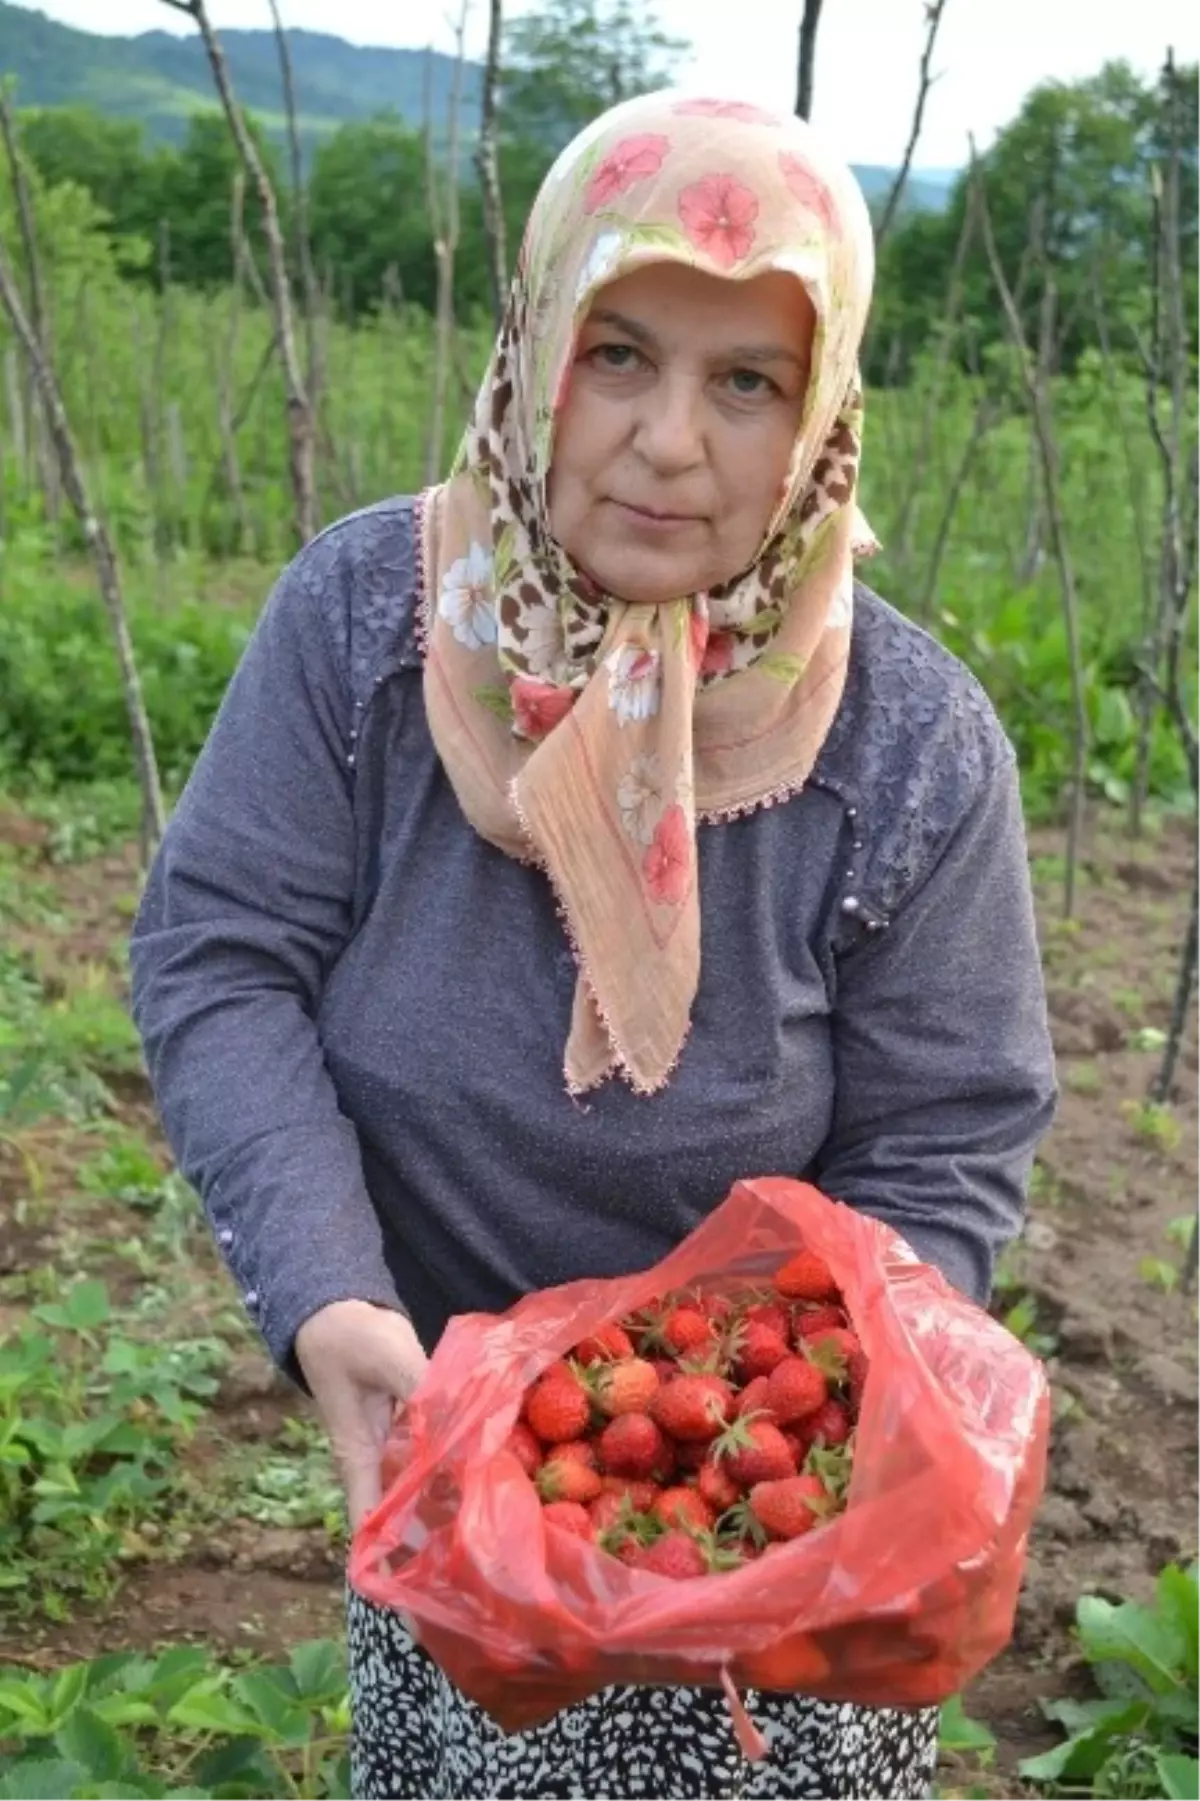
pixel 107 157
pixel 195 192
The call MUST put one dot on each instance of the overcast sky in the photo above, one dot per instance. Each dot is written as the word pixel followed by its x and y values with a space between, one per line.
pixel 989 54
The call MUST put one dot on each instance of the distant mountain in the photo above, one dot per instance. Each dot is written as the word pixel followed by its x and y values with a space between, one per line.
pixel 160 80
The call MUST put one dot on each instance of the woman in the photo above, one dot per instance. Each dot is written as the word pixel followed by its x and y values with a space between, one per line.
pixel 483 953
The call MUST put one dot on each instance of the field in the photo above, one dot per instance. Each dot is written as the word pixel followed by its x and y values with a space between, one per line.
pixel 160 1487
pixel 222 1528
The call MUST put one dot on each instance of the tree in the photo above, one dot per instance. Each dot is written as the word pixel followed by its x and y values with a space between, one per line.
pixel 106 157
pixel 194 192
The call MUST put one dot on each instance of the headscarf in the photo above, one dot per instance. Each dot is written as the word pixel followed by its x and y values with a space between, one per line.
pixel 588 735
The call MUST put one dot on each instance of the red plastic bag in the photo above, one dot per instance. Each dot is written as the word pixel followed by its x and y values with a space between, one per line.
pixel 898 1601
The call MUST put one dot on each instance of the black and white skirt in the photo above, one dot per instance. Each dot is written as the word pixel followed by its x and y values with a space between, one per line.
pixel 414 1734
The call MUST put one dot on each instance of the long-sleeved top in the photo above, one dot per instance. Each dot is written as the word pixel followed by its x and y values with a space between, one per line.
pixel 354 1008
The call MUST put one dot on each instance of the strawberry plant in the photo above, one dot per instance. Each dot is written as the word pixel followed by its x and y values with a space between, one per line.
pixel 1137 1736
pixel 90 1421
pixel 178 1724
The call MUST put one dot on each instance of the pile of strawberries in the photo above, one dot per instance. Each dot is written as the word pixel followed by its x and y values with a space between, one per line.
pixel 694 1436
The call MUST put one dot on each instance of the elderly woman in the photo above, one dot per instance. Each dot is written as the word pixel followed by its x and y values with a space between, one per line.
pixel 577 838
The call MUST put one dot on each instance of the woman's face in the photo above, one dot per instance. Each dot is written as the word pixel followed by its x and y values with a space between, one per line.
pixel 674 440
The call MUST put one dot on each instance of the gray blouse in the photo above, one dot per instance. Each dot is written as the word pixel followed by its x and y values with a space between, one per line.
pixel 354 1009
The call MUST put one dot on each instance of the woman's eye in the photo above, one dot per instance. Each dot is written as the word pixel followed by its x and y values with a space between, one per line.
pixel 750 383
pixel 615 356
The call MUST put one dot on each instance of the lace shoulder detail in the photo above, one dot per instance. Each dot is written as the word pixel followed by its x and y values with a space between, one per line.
pixel 362 574
pixel 915 743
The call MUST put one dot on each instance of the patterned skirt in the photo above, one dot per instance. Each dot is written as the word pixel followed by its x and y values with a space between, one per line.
pixel 416 1735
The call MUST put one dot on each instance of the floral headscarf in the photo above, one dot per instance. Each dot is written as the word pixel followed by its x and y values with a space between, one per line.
pixel 589 735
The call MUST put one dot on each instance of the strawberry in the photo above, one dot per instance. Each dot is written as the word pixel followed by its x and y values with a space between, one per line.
pixel 556 1407
pixel 838 1340
pixel 717 1487
pixel 792 1507
pixel 758 1350
pixel 608 1345
pixel 773 1314
pixel 565 1478
pixel 626 1387
pixel 808 1320
pixel 687 1330
pixel 690 1456
pixel 571 1517
pixel 718 1307
pixel 753 1398
pixel 684 1507
pixel 665 1368
pixel 795 1388
pixel 830 1424
pixel 675 1555
pixel 754 1450
pixel 641 1496
pixel 806 1278
pixel 632 1445
pixel 610 1513
pixel 798 1438
pixel 693 1408
pixel 525 1448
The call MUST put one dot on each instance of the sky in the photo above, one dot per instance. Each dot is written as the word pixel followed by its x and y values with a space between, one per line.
pixel 989 52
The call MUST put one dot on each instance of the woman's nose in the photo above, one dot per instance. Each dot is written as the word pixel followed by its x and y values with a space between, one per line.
pixel 670 425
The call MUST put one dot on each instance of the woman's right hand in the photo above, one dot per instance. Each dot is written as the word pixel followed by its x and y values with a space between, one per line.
pixel 359 1360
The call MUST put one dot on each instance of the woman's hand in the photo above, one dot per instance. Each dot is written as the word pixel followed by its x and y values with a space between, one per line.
pixel 359 1360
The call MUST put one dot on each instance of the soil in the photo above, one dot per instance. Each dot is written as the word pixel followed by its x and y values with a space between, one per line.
pixel 1120 1344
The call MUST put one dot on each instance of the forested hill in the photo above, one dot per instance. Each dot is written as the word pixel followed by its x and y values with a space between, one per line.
pixel 160 80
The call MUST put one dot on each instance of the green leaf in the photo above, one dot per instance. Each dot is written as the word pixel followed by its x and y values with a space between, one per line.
pixel 957 1731
pixel 70 1686
pixel 1179 1606
pixel 497 701
pixel 782 666
pixel 87 1305
pixel 125 1710
pixel 40 1779
pixel 1081 1756
pixel 240 1761
pixel 89 1741
pixel 1133 1635
pixel 208 1710
pixel 319 1670
pixel 272 1697
pixel 1180 1776
pixel 25 1701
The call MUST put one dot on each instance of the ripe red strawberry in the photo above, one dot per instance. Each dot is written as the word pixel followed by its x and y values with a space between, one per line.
pixel 817 1319
pixel 609 1512
pixel 626 1387
pixel 687 1330
pixel 792 1507
pixel 693 1408
pixel 759 1349
pixel 717 1487
pixel 795 1388
pixel 556 1407
pixel 665 1368
pixel 754 1450
pixel 797 1436
pixel 632 1445
pixel 807 1277
pixel 525 1448
pixel 717 1306
pixel 684 1507
pixel 773 1314
pixel 830 1423
pixel 641 1496
pixel 571 1517
pixel 690 1456
pixel 753 1398
pixel 675 1555
pixel 566 1478
pixel 609 1344
pixel 839 1340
